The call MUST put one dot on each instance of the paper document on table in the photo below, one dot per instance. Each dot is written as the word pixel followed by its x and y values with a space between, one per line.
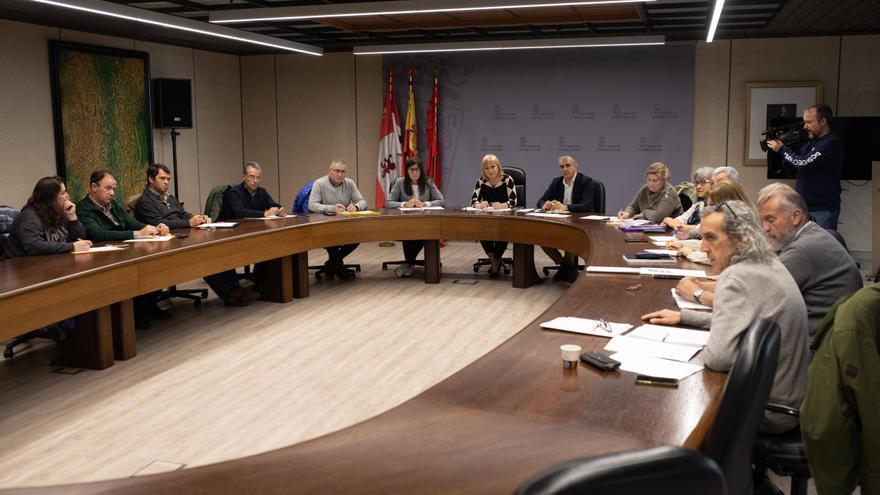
pixel 586 326
pixel 557 215
pixel 218 225
pixel 671 335
pixel 595 217
pixel 404 208
pixel 667 252
pixel 525 210
pixel 613 269
pixel 685 304
pixel 672 272
pixel 99 249
pixel 650 366
pixel 662 238
pixel 270 217
pixel 471 208
pixel 158 238
pixel 634 345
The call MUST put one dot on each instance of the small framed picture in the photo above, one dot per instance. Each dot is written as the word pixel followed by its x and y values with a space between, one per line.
pixel 768 102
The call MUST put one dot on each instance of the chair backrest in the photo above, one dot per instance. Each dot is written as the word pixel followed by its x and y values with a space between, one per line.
pixel 661 470
pixel 598 196
pixel 301 201
pixel 741 410
pixel 7 217
pixel 129 203
pixel 214 203
pixel 519 180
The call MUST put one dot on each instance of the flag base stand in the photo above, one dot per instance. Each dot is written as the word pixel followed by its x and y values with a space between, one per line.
pixel 386 244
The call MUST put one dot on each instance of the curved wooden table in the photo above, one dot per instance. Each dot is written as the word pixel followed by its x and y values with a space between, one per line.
pixel 483 430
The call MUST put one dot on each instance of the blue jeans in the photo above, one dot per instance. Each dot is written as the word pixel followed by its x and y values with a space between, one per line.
pixel 826 218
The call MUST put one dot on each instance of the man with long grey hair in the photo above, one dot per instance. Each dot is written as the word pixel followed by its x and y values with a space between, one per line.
pixel 752 284
pixel 823 269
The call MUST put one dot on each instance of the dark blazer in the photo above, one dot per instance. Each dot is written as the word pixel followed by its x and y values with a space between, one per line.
pixel 99 228
pixel 581 195
pixel 238 203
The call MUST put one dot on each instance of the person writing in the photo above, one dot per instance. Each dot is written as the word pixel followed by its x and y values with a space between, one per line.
pixel 47 224
pixel 656 200
pixel 413 191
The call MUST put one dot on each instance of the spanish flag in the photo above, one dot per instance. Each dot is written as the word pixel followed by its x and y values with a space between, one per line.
pixel 411 133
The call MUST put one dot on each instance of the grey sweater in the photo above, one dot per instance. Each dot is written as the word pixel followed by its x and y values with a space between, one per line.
pixel 656 206
pixel 324 195
pixel 747 291
pixel 823 269
pixel 430 195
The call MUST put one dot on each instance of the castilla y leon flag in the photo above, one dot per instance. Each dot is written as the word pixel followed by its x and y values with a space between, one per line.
pixel 411 132
pixel 390 154
pixel 432 163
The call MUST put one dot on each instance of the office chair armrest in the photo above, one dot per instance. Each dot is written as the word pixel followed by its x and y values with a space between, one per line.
pixel 779 408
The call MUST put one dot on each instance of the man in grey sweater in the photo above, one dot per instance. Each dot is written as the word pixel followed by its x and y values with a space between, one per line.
pixel 821 266
pixel 752 284
pixel 334 194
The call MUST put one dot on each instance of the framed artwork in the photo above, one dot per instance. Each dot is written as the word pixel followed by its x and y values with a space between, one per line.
pixel 766 101
pixel 101 109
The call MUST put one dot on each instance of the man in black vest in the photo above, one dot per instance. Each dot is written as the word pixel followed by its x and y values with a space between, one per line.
pixel 572 191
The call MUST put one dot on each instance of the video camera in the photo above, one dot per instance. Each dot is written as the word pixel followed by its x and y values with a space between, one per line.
pixel 791 134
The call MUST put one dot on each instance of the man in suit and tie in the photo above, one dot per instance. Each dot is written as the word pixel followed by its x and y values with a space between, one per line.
pixel 571 191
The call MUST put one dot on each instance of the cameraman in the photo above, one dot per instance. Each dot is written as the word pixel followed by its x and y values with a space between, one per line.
pixel 818 163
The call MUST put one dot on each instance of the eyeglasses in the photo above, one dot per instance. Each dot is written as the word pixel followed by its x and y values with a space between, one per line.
pixel 707 182
pixel 601 324
pixel 719 206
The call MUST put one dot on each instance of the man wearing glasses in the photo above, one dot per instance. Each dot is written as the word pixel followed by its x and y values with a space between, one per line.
pixel 334 194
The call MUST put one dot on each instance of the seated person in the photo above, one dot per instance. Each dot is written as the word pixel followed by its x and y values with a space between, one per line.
pixel 248 199
pixel 156 206
pixel 690 219
pixel 334 194
pixel 752 284
pixel 690 288
pixel 47 224
pixel 105 220
pixel 571 191
pixel 657 199
pixel 728 174
pixel 823 269
pixel 413 191
pixel 494 189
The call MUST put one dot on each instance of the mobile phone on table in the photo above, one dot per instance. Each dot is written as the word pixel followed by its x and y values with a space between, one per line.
pixel 656 380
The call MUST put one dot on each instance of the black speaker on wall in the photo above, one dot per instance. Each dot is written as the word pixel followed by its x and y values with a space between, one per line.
pixel 172 103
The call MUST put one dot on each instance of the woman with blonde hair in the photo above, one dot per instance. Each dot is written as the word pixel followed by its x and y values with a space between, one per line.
pixel 494 189
pixel 657 199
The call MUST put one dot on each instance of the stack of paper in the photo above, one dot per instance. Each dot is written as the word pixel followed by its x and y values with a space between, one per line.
pixel 218 225
pixel 595 217
pixel 586 326
pixel 657 350
pixel 548 214
pixel 158 238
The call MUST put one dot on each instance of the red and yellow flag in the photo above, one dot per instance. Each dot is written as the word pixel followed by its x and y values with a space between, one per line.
pixel 410 132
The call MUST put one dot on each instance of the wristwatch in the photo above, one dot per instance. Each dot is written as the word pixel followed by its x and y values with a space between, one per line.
pixel 697 293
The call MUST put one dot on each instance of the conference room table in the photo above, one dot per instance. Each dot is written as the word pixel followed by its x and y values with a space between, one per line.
pixel 483 430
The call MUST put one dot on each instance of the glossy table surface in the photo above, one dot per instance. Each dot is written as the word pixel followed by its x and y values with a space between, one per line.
pixel 483 430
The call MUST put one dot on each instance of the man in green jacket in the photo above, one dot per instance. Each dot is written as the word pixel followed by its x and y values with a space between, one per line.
pixel 840 415
pixel 105 220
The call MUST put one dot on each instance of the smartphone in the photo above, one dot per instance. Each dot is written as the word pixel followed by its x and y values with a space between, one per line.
pixel 181 236
pixel 656 380
pixel 670 277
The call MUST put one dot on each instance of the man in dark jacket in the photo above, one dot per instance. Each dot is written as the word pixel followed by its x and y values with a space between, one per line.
pixel 105 220
pixel 248 199
pixel 572 191
pixel 156 206
pixel 818 163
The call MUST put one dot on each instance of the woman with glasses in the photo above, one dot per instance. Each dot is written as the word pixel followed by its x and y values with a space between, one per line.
pixel 687 221
pixel 657 199
pixel 413 191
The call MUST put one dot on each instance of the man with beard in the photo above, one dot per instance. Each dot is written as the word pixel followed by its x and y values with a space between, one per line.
pixel 823 269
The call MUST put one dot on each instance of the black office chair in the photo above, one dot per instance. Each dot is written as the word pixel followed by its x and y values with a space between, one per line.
pixel 519 183
pixel 731 439
pixel 784 454
pixel 659 471
pixel 598 207
pixel 194 295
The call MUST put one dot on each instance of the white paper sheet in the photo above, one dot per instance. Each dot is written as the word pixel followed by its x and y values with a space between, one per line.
pixel 667 252
pixel 158 238
pixel 557 215
pixel 595 217
pixel 675 272
pixel 471 208
pixel 671 335
pixel 98 249
pixel 685 304
pixel 634 345
pixel 613 269
pixel 585 326
pixel 661 238
pixel 664 368
pixel 218 225
pixel 402 208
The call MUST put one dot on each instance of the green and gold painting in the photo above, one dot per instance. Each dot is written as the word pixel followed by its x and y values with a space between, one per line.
pixel 101 106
